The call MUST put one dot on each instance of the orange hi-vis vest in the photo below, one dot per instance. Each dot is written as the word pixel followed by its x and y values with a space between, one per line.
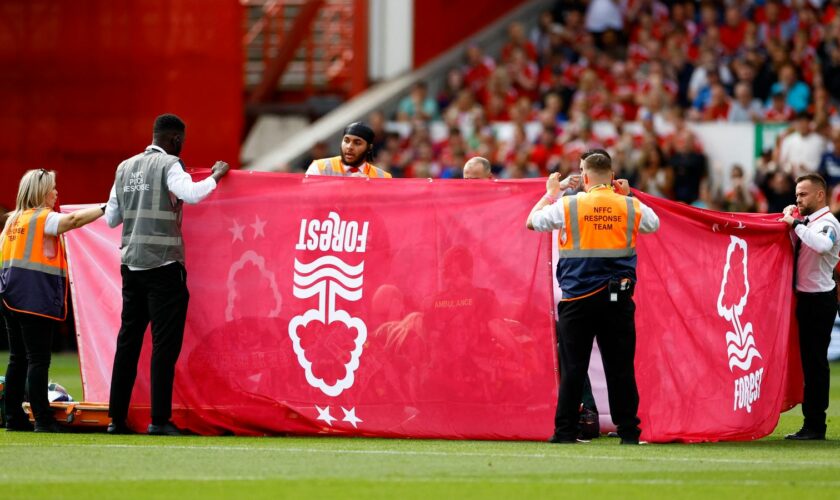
pixel 333 166
pixel 33 267
pixel 598 242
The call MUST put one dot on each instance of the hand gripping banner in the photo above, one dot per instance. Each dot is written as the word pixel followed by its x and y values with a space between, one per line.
pixel 409 308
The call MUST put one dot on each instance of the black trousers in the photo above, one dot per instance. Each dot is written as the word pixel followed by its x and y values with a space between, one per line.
pixel 158 296
pixel 613 325
pixel 30 340
pixel 815 314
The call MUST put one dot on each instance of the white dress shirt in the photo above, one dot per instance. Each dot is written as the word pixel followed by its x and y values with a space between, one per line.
pixel 819 253
pixel 552 217
pixel 181 187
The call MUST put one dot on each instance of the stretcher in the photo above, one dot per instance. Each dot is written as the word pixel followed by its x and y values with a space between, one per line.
pixel 77 415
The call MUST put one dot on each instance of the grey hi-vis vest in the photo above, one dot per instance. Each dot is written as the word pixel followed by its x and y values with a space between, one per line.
pixel 151 234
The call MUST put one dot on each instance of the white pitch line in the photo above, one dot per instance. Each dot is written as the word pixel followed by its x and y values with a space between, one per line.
pixel 830 464
pixel 448 480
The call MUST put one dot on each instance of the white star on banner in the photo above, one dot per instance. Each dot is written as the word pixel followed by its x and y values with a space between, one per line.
pixel 350 416
pixel 324 414
pixel 258 226
pixel 237 231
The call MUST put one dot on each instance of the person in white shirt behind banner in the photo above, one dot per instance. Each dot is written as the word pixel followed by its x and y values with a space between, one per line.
pixel 816 249
pixel 148 194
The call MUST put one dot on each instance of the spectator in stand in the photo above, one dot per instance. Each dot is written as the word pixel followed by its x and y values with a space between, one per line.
pixel 477 168
pixel 417 104
pixel 779 190
pixel 462 112
pixel 745 108
pixel 656 177
pixel 547 152
pixel 520 167
pixel 518 39
pixel 376 120
pixel 541 35
pixel 743 196
pixel 424 164
pixel 733 31
pixel 717 108
pixel 478 69
pixel 778 111
pixel 318 150
pixel 829 167
pixel 603 16
pixel 774 21
pixel 831 64
pixel 690 169
pixel 523 72
pixel 385 160
pixel 451 89
pixel 553 106
pixel 800 151
pixel 706 199
pixel 702 77
pixel 452 149
pixel 796 92
pixel 822 109
pixel 763 73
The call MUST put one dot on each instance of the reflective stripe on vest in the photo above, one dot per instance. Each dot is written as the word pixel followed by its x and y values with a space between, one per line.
pixel 33 276
pixel 333 166
pixel 612 238
pixel 151 234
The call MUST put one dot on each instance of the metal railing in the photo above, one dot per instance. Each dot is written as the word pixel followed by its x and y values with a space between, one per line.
pixel 320 47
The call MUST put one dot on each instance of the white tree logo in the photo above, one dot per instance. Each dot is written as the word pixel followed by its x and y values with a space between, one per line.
pixel 734 290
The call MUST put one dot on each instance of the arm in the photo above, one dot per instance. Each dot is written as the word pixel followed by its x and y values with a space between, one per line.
pixel 650 221
pixel 819 238
pixel 113 215
pixel 548 219
pixel 181 185
pixel 77 219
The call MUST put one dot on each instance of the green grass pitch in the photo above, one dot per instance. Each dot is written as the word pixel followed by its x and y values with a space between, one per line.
pixel 102 466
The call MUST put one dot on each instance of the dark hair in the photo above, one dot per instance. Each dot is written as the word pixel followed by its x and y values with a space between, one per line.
pixel 815 178
pixel 168 123
pixel 597 159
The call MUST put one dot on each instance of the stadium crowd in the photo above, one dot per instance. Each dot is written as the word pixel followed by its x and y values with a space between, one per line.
pixel 630 76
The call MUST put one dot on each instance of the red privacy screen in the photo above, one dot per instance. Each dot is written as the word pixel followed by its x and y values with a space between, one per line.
pixel 403 307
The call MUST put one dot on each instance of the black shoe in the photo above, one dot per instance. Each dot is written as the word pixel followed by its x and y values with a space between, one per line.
pixel 19 426
pixel 564 440
pixel 115 428
pixel 53 428
pixel 167 429
pixel 805 434
pixel 629 441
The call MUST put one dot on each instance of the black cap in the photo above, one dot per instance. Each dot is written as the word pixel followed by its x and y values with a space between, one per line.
pixel 360 129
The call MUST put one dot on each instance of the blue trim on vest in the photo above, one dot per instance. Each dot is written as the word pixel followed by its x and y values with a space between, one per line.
pixel 579 276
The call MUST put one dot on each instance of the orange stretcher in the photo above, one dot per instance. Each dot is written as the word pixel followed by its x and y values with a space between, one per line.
pixel 77 415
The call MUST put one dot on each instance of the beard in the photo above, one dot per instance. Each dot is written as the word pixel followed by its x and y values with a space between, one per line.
pixel 359 161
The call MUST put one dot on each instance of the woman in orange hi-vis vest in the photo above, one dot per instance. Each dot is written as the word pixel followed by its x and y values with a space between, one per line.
pixel 33 289
pixel 596 271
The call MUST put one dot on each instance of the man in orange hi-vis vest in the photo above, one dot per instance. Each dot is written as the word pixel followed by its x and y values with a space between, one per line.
pixel 356 151
pixel 597 232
